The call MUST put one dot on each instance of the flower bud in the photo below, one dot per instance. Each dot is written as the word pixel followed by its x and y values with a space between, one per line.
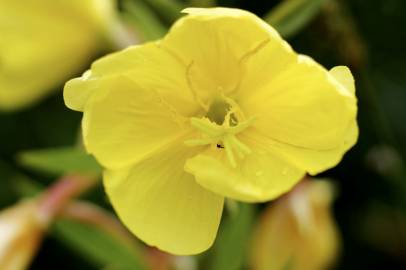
pixel 21 231
pixel 297 232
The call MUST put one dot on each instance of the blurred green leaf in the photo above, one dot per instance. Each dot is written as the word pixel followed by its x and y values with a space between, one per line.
pixel 230 248
pixel 289 265
pixel 290 16
pixel 56 161
pixel 25 187
pixel 201 3
pixel 7 192
pixel 14 184
pixel 144 20
pixel 98 246
pixel 168 9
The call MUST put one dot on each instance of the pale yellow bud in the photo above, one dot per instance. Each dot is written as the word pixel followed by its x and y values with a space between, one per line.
pixel 21 232
pixel 297 232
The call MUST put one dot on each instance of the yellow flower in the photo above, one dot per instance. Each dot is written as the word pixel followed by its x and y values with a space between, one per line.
pixel 21 231
pixel 44 42
pixel 220 107
pixel 297 232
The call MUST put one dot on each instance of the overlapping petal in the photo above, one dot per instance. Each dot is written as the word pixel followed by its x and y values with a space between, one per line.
pixel 152 67
pixel 124 123
pixel 259 176
pixel 213 43
pixel 163 205
pixel 302 105
pixel 316 160
pixel 135 102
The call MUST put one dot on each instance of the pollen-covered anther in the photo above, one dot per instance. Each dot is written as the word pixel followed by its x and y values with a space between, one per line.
pixel 225 135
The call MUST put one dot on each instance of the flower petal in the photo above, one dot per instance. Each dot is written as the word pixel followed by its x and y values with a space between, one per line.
pixel 148 65
pixel 213 42
pixel 163 205
pixel 77 91
pixel 315 160
pixel 311 160
pixel 260 176
pixel 124 123
pixel 302 105
pixel 343 75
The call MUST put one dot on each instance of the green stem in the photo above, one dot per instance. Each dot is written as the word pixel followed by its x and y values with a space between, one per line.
pixel 144 20
pixel 55 199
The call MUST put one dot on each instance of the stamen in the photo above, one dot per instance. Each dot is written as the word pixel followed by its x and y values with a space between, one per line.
pixel 229 151
pixel 225 135
pixel 206 126
pixel 245 150
pixel 199 142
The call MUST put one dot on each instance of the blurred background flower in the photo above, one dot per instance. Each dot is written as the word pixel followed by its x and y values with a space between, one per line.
pixel 39 143
pixel 298 231
pixel 21 231
pixel 45 42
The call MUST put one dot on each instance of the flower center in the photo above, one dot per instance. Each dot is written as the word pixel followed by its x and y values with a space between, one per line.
pixel 223 121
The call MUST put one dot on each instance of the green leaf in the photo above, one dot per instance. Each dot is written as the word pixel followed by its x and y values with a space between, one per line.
pixel 230 249
pixel 97 246
pixel 168 9
pixel 201 3
pixel 290 16
pixel 15 184
pixel 56 161
pixel 289 264
pixel 144 20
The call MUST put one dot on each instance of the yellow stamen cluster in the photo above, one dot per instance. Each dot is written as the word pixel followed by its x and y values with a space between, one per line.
pixel 224 135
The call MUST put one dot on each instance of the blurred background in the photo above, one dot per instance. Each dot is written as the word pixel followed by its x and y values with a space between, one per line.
pixel 362 216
